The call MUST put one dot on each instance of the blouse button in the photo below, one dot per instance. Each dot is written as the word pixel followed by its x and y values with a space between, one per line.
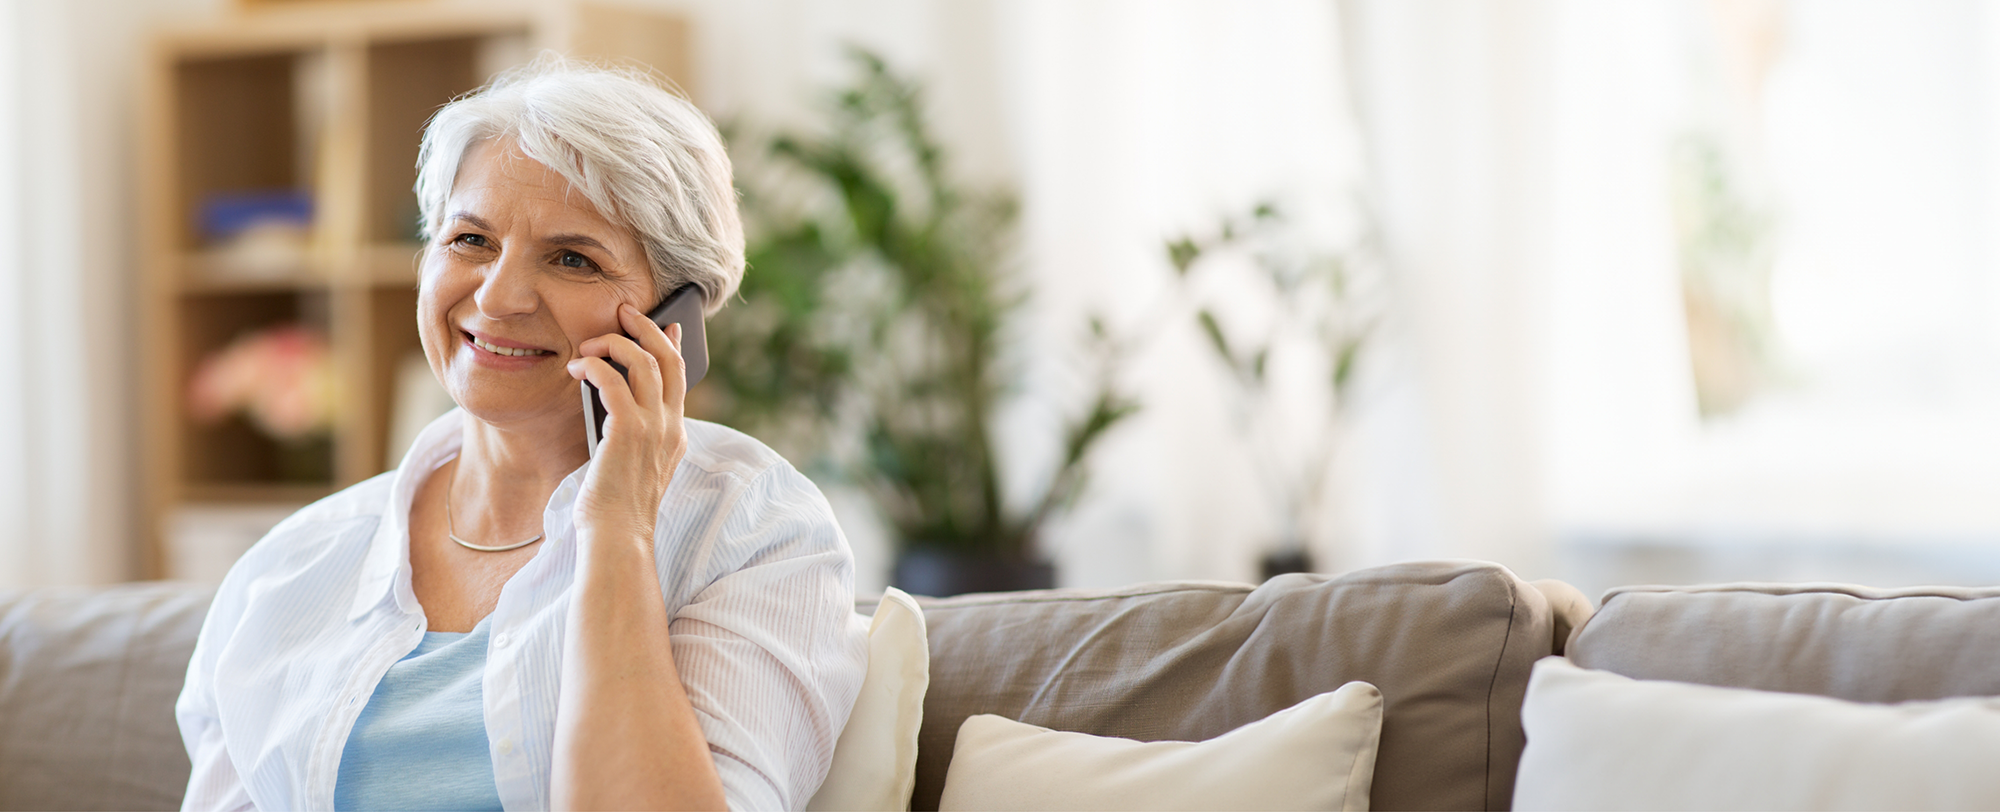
pixel 502 640
pixel 506 747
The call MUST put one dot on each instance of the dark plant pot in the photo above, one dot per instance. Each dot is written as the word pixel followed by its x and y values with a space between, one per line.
pixel 306 460
pixel 943 573
pixel 1280 562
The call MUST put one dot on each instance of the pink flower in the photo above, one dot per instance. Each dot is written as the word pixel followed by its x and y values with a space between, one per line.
pixel 280 377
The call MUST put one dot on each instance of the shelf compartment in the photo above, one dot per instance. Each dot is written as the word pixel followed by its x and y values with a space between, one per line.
pixel 232 452
pixel 393 335
pixel 408 81
pixel 209 271
pixel 392 265
pixel 238 128
pixel 262 493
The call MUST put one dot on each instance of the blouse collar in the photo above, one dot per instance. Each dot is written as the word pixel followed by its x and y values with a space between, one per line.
pixel 387 567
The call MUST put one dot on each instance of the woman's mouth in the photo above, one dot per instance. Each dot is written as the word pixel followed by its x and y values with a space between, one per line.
pixel 507 351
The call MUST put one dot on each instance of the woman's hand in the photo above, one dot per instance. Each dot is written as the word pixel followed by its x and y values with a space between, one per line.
pixel 644 433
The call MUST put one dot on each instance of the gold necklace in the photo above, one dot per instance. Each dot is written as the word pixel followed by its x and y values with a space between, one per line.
pixel 452 530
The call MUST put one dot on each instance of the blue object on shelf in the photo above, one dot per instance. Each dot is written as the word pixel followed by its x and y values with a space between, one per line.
pixel 226 214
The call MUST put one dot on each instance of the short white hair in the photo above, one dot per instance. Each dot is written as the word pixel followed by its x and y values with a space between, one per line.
pixel 645 157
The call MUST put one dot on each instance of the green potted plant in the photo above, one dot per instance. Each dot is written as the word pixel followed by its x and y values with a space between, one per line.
pixel 1325 304
pixel 869 334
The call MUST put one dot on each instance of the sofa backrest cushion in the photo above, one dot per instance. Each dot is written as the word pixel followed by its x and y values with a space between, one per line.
pixel 1849 642
pixel 88 679
pixel 1450 645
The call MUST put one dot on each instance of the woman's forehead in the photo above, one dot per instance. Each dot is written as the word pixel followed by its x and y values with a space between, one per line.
pixel 497 181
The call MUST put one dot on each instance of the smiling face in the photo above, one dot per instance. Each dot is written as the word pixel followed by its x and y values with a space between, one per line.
pixel 522 271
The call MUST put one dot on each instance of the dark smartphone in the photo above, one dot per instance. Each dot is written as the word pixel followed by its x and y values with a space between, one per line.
pixel 682 307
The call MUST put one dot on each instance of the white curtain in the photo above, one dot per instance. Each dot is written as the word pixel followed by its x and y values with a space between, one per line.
pixel 16 565
pixel 67 289
pixel 1133 122
pixel 66 311
pixel 1457 100
pixel 1523 155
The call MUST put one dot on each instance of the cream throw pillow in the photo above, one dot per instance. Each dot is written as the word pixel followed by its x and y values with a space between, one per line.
pixel 875 760
pixel 1318 754
pixel 1597 740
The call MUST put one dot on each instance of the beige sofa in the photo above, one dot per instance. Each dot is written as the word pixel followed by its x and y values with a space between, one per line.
pixel 88 677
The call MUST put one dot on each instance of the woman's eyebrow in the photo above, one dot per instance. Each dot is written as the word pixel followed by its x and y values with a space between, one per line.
pixel 473 220
pixel 578 240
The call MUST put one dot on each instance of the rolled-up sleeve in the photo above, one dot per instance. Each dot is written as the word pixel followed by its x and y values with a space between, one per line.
pixel 771 651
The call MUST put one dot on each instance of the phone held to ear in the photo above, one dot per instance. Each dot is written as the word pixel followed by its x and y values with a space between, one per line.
pixel 682 307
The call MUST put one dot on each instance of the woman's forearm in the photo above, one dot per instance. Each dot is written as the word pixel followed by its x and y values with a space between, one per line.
pixel 626 735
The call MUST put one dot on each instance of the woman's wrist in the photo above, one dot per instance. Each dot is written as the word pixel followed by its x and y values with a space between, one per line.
pixel 616 582
pixel 617 543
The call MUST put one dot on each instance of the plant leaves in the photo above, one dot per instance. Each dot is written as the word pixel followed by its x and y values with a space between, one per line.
pixel 1213 330
pixel 1182 253
pixel 1344 360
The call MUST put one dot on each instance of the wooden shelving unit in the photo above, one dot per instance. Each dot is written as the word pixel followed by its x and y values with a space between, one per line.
pixel 329 98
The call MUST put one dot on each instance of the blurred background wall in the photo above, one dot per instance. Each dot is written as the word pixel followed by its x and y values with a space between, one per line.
pixel 1675 290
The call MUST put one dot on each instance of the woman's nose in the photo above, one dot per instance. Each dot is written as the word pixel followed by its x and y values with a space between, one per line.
pixel 509 287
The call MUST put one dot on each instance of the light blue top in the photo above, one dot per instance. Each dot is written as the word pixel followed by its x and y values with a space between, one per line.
pixel 421 741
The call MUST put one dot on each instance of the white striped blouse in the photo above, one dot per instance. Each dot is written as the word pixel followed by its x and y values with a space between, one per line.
pixel 758 582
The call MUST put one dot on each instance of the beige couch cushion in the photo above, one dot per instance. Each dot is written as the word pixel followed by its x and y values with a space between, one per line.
pixel 1450 645
pixel 88 679
pixel 1316 755
pixel 1849 642
pixel 875 760
pixel 1600 741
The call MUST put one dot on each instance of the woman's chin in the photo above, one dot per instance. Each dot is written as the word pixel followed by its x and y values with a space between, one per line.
pixel 496 403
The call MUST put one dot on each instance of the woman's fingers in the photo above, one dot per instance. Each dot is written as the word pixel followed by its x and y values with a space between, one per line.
pixel 676 383
pixel 664 349
pixel 612 387
pixel 642 369
pixel 655 375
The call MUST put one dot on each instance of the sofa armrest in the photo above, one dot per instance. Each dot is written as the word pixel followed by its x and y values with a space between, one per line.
pixel 1568 605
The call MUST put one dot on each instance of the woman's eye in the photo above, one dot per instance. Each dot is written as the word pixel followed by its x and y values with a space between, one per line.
pixel 572 259
pixel 470 240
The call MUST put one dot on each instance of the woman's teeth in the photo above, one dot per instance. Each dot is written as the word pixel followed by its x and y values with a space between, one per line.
pixel 503 350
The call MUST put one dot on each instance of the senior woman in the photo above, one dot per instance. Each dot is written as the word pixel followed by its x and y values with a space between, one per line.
pixel 506 621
